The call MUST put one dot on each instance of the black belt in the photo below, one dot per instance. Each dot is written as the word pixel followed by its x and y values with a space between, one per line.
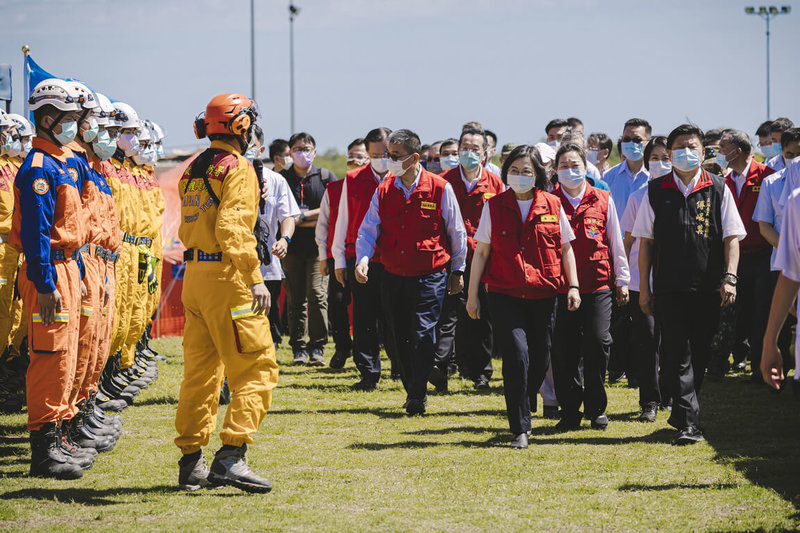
pixel 189 255
pixel 59 255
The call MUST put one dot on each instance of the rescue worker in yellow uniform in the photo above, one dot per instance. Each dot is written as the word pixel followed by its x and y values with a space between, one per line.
pixel 154 286
pixel 225 302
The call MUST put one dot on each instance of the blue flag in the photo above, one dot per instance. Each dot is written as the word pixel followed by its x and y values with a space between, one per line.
pixel 34 74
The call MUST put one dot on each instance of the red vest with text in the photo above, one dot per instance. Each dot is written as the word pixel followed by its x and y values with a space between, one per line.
pixel 525 258
pixel 471 203
pixel 413 241
pixel 590 246
pixel 334 196
pixel 361 187
pixel 746 203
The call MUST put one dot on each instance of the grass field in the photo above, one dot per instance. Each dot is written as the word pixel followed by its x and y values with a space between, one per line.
pixel 345 461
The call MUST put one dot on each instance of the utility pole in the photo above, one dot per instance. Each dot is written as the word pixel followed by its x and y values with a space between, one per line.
pixel 293 12
pixel 252 49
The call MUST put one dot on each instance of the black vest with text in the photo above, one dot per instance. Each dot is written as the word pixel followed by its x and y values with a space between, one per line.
pixel 689 252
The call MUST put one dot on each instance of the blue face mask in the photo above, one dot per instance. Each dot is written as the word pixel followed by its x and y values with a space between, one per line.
pixel 6 147
pixel 104 146
pixel 251 153
pixel 90 134
pixel 160 151
pixel 571 177
pixel 633 151
pixel 68 131
pixel 686 159
pixel 771 150
pixel 469 160
pixel 27 146
pixel 449 162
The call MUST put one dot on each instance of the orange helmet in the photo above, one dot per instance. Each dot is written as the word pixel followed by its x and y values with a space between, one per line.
pixel 229 114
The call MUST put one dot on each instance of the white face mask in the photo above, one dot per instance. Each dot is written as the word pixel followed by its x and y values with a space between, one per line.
pixel 288 162
pixel 396 167
pixel 521 184
pixel 591 156
pixel 448 162
pixel 571 177
pixel 128 143
pixel 380 164
pixel 660 168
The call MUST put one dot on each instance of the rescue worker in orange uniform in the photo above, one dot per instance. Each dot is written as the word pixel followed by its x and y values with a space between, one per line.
pixel 225 301
pixel 48 227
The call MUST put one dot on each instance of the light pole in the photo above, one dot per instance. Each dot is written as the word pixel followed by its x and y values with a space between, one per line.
pixel 293 12
pixel 767 13
pixel 252 49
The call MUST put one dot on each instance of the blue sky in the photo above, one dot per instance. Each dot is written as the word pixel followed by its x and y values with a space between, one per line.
pixel 427 65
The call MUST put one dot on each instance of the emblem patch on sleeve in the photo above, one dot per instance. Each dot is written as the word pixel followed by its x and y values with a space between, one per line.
pixel 74 174
pixel 40 186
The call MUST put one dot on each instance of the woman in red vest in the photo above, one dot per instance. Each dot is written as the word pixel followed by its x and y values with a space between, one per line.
pixel 600 256
pixel 523 251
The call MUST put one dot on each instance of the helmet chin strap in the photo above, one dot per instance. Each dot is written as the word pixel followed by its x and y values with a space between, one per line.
pixel 56 121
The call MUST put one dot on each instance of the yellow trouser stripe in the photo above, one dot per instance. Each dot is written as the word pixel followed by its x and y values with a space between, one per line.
pixel 242 311
pixel 60 317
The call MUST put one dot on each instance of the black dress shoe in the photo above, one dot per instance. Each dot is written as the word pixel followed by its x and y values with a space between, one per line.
pixel 551 412
pixel 338 360
pixel 365 385
pixel 614 376
pixel 688 435
pixel 569 422
pixel 415 407
pixel 649 413
pixel 438 379
pixel 600 422
pixel 520 442
pixel 482 383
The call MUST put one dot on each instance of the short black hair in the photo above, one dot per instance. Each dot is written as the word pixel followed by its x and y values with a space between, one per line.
pixel 377 135
pixel 276 147
pixel 569 147
pixel 763 129
pixel 556 123
pixel 356 142
pixel 792 135
pixel 659 140
pixel 573 122
pixel 603 141
pixel 474 131
pixel 637 123
pixel 407 139
pixel 448 142
pixel 531 153
pixel 684 129
pixel 302 136
pixel 739 139
pixel 780 125
pixel 490 133
pixel 713 137
pixel 258 134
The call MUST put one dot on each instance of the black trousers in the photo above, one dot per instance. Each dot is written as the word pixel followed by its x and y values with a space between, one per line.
pixel 753 299
pixel 524 330
pixel 275 325
pixel 368 321
pixel 582 334
pixel 688 322
pixel 645 341
pixel 468 340
pixel 338 300
pixel 412 305
pixel 622 357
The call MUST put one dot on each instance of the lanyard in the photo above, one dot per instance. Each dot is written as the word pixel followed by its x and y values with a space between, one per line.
pixel 302 183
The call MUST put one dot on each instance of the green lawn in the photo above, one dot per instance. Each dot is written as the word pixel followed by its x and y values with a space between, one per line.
pixel 345 461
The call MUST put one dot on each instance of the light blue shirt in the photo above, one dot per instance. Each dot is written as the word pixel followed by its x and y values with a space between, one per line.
pixel 776 163
pixel 771 200
pixel 370 228
pixel 622 183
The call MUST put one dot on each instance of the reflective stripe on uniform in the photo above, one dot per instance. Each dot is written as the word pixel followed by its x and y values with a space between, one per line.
pixel 60 317
pixel 242 311
pixel 86 311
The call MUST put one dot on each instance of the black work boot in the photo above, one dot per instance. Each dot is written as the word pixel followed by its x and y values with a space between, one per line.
pixel 47 459
pixel 96 412
pixel 83 437
pixel 229 468
pixel 193 473
pixel 80 456
pixel 97 426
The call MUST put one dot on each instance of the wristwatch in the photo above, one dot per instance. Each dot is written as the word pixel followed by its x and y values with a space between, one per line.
pixel 288 239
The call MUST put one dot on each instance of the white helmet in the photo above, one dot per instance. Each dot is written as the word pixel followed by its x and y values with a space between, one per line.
pixel 84 94
pixel 158 133
pixel 55 92
pixel 144 132
pixel 5 120
pixel 104 112
pixel 24 126
pixel 126 116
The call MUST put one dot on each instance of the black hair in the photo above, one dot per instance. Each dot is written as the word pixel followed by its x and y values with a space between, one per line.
pixel 407 139
pixel 304 137
pixel 490 133
pixel 276 147
pixel 763 129
pixel 424 147
pixel 377 135
pixel 792 135
pixel 713 137
pixel 603 141
pixel 556 123
pixel 684 129
pixel 448 142
pixel 659 140
pixel 570 147
pixel 739 139
pixel 637 123
pixel 258 134
pixel 531 153
pixel 780 125
pixel 356 142
pixel 474 131
pixel 573 122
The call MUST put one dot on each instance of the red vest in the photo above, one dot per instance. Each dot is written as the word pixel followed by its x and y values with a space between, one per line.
pixel 413 241
pixel 361 187
pixel 525 258
pixel 471 204
pixel 334 195
pixel 590 246
pixel 746 203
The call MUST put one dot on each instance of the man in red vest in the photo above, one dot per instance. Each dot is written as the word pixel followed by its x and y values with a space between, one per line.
pixel 414 223
pixel 473 185
pixel 357 191
pixel 754 283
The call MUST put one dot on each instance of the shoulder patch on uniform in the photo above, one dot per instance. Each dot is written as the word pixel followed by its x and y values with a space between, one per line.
pixel 73 173
pixel 428 205
pixel 38 160
pixel 40 186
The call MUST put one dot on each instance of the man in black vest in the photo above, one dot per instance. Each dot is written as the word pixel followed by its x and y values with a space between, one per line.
pixel 689 229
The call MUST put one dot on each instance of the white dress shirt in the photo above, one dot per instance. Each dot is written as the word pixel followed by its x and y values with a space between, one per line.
pixel 342 222
pixel 484 232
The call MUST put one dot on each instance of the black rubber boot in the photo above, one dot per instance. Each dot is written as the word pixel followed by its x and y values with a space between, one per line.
pixel 229 468
pixel 47 459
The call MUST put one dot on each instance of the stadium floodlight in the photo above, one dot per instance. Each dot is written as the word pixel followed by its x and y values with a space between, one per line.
pixel 768 13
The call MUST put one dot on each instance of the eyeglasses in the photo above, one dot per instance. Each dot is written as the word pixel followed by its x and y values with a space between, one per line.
pixel 298 149
pixel 399 157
